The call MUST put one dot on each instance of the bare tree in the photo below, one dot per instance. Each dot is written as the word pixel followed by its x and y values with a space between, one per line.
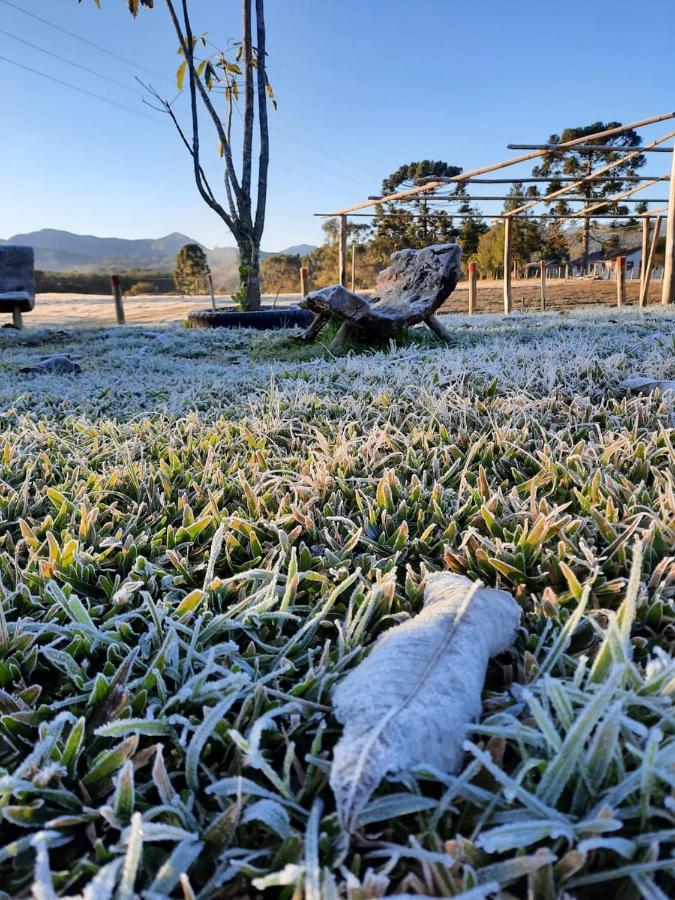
pixel 208 78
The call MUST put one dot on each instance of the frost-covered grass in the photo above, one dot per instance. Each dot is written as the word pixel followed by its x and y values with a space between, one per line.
pixel 202 532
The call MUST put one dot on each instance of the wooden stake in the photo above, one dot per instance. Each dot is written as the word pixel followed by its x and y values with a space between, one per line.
pixel 353 266
pixel 644 288
pixel 646 226
pixel 213 296
pixel 472 288
pixel 542 266
pixel 119 301
pixel 304 280
pixel 620 280
pixel 342 252
pixel 668 287
pixel 508 262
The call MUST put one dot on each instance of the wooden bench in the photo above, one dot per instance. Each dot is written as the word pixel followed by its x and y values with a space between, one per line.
pixel 17 281
pixel 410 291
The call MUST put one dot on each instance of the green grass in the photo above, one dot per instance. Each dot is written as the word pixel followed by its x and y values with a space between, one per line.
pixel 197 540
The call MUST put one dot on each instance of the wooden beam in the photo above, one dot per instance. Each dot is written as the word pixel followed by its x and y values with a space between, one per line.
pixel 304 281
pixel 473 286
pixel 620 280
pixel 508 263
pixel 483 170
pixel 612 165
pixel 668 287
pixel 483 215
pixel 532 180
pixel 588 148
pixel 342 251
pixel 610 200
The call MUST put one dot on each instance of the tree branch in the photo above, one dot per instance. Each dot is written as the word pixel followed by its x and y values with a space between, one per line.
pixel 249 109
pixel 188 51
pixel 264 160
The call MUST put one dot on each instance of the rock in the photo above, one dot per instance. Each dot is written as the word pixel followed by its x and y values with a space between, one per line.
pixel 640 384
pixel 54 365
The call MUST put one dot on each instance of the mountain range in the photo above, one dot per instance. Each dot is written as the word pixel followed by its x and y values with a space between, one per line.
pixel 63 251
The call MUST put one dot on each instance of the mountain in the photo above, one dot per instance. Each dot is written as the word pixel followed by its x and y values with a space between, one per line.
pixel 63 251
pixel 295 250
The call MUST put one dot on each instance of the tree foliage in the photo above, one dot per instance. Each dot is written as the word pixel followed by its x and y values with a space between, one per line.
pixel 582 163
pixel 191 269
pixel 281 273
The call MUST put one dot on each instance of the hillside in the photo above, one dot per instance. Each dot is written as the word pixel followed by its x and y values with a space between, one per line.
pixel 63 251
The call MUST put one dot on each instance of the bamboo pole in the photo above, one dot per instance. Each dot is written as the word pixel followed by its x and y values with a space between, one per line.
pixel 612 165
pixel 620 280
pixel 644 289
pixel 542 266
pixel 483 170
pixel 609 200
pixel 508 262
pixel 668 287
pixel 342 251
pixel 472 288
pixel 603 148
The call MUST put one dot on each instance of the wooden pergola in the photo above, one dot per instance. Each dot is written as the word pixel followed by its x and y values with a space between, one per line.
pixel 429 188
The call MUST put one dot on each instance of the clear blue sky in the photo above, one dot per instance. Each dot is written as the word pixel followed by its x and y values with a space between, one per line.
pixel 362 86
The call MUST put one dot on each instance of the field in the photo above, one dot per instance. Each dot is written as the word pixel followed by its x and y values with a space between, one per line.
pixel 203 531
pixel 97 309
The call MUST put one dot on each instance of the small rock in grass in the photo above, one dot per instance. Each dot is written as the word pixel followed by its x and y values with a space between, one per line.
pixel 54 365
pixel 640 384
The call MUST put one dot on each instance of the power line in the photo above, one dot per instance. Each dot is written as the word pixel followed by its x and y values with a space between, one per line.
pixel 82 40
pixel 64 59
pixel 76 87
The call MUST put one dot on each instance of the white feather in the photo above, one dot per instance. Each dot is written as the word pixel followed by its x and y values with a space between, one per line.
pixel 409 703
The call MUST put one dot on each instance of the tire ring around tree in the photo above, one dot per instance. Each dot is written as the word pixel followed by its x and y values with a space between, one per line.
pixel 261 320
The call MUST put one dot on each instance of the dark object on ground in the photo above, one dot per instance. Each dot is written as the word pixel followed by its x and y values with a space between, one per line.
pixel 54 365
pixel 410 291
pixel 262 320
pixel 17 281
pixel 639 384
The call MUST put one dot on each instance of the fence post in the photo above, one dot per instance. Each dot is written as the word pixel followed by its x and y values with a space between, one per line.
pixel 119 301
pixel 342 251
pixel 213 296
pixel 304 281
pixel 644 282
pixel 508 262
pixel 567 271
pixel 472 288
pixel 620 265
pixel 542 266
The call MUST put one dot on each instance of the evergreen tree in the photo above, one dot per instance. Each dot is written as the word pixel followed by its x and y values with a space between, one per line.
pixel 190 269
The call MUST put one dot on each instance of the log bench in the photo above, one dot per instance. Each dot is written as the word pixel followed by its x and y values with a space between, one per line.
pixel 408 292
pixel 17 281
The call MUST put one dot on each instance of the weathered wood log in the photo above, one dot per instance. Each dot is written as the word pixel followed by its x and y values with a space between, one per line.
pixel 408 292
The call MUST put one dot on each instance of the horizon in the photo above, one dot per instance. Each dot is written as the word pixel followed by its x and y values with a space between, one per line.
pixel 116 167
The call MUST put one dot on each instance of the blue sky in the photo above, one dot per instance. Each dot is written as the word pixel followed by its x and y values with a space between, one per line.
pixel 362 86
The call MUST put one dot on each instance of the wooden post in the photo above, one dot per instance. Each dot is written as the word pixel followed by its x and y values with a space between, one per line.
pixel 17 318
pixel 620 280
pixel 213 296
pixel 508 262
pixel 353 265
pixel 342 251
pixel 117 296
pixel 542 266
pixel 668 287
pixel 646 223
pixel 644 285
pixel 567 271
pixel 472 288
pixel 304 280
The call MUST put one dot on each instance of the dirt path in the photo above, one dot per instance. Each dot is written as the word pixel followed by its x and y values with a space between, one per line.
pixel 97 310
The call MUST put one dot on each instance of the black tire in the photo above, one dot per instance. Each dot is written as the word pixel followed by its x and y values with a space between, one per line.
pixel 262 320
